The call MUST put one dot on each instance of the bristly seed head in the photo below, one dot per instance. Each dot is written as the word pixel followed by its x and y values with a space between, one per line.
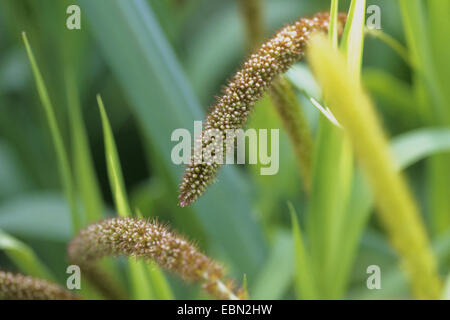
pixel 246 87
pixel 20 287
pixel 142 239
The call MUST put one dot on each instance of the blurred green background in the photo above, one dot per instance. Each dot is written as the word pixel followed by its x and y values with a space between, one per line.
pixel 158 65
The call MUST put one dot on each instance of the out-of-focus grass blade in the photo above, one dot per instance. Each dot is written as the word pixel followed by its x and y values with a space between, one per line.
pixel 160 286
pixel 155 84
pixel 424 36
pixel 407 149
pixel 331 181
pixel 83 167
pixel 397 96
pixel 63 161
pixel 305 283
pixel 392 43
pixel 352 46
pixel 141 285
pixel 417 36
pixel 23 257
pixel 139 282
pixel 414 145
pixel 276 275
pixel 13 179
pixel 42 215
pixel 394 282
pixel 333 31
pixel 265 117
pixel 398 211
pixel 439 11
pixel 446 291
pixel 113 165
pixel 353 37
pixel 439 33
pixel 333 171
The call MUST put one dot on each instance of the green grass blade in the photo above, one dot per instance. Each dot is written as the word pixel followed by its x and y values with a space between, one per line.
pixel 424 35
pixel 276 274
pixel 332 175
pixel 398 211
pixel 160 286
pixel 418 39
pixel 23 257
pixel 304 277
pixel 40 215
pixel 392 43
pixel 396 95
pixel 142 289
pixel 353 37
pixel 140 284
pixel 439 168
pixel 83 166
pixel 333 32
pixel 413 146
pixel 113 165
pixel 63 161
pixel 150 75
pixel 408 149
pixel 352 46
pixel 446 291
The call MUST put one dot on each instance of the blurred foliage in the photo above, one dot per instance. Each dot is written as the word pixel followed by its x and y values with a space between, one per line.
pixel 158 64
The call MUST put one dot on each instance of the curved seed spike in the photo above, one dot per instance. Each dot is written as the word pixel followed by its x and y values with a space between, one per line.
pixel 142 239
pixel 20 287
pixel 246 87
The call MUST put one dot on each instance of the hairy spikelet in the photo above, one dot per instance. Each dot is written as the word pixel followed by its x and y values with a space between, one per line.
pixel 20 287
pixel 142 239
pixel 246 87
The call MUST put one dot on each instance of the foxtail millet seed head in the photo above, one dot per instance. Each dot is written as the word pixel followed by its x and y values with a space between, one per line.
pixel 142 239
pixel 20 287
pixel 245 88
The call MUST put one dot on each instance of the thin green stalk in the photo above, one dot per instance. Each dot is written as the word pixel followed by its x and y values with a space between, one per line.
pixel 113 166
pixel 289 109
pixel 23 257
pixel 142 278
pixel 83 166
pixel 393 43
pixel 252 13
pixel 304 278
pixel 334 26
pixel 332 174
pixel 63 161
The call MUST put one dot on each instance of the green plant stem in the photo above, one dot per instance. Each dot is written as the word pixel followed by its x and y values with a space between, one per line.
pixel 83 166
pixel 397 210
pixel 252 12
pixel 289 109
pixel 393 43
